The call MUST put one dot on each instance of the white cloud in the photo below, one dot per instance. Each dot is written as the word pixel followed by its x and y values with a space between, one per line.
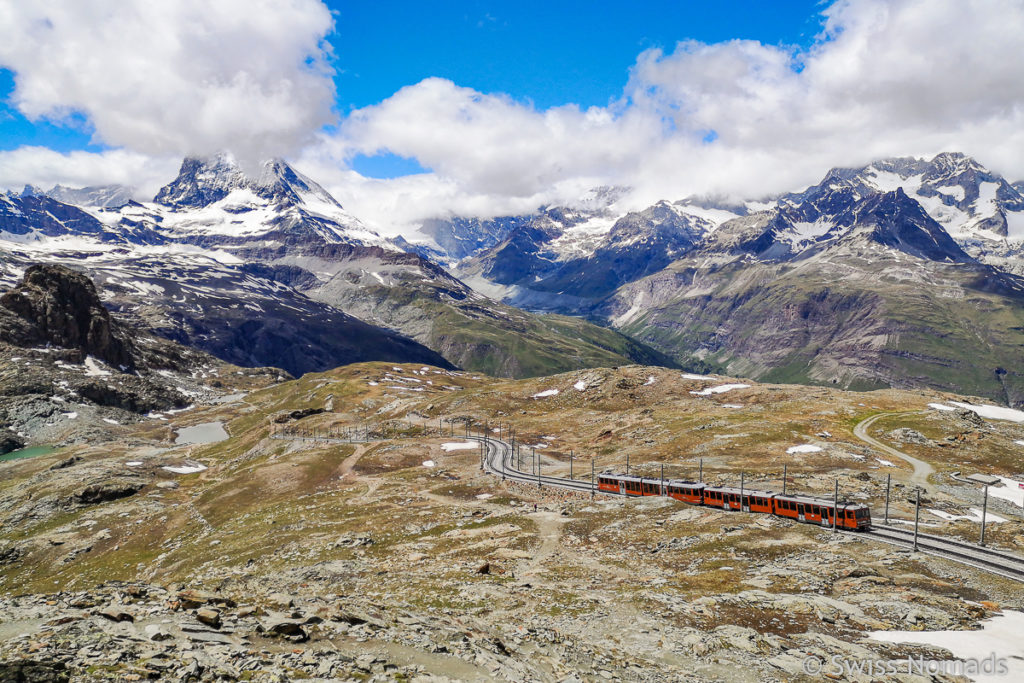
pixel 45 168
pixel 188 76
pixel 885 78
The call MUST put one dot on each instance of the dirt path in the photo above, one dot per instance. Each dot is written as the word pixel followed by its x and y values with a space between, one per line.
pixel 922 470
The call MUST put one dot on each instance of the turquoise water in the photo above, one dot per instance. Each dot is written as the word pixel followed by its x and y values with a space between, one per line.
pixel 30 452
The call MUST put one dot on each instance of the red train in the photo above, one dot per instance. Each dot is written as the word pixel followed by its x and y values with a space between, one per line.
pixel 856 516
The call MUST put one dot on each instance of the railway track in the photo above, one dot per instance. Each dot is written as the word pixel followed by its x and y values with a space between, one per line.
pixel 498 461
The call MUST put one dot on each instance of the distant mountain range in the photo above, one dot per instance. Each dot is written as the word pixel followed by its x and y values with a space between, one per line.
pixel 273 271
pixel 905 272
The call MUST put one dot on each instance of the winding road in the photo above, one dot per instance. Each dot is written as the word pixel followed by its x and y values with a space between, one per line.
pixel 922 470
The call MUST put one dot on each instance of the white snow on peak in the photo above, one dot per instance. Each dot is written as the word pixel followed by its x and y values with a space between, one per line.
pixel 954 191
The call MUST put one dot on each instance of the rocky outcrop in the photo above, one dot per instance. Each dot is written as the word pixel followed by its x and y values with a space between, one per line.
pixel 107 490
pixel 9 443
pixel 57 306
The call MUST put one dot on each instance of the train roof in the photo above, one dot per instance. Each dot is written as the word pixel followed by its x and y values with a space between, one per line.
pixel 687 483
pixel 745 490
pixel 655 480
pixel 811 500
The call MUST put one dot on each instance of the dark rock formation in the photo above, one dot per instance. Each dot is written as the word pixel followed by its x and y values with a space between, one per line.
pixel 10 443
pixel 54 305
pixel 111 489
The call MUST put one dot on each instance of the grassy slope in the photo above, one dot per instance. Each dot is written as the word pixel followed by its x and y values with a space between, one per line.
pixel 789 329
pixel 503 341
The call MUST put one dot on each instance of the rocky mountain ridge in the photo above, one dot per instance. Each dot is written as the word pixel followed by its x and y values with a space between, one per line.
pixel 68 368
pixel 268 269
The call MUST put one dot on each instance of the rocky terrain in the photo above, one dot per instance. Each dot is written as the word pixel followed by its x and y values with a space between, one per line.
pixel 71 371
pixel 385 553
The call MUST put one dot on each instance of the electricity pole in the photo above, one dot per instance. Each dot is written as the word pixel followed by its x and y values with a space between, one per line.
pixel 984 510
pixel 917 516
pixel 888 481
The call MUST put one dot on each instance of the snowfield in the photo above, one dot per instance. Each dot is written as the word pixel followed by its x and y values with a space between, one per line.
pixel 1002 635
pixel 1011 491
pixel 544 394
pixel 993 412
pixel 805 448
pixel 184 469
pixel 720 389
pixel 459 446
pixel 975 516
pixel 580 386
pixel 987 411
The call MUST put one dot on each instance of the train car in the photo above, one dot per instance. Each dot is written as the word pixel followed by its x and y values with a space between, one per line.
pixel 729 498
pixel 687 491
pixel 630 486
pixel 609 483
pixel 854 516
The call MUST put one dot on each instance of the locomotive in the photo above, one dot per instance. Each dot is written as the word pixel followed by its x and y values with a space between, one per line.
pixel 808 509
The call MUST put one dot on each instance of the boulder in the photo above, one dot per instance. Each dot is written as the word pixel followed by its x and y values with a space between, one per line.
pixel 112 489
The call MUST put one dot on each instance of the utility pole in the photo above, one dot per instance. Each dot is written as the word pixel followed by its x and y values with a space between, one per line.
pixel 917 516
pixel 538 467
pixel 835 508
pixel 785 473
pixel 570 465
pixel 627 463
pixel 592 489
pixel 984 510
pixel 663 479
pixel 888 481
pixel 701 477
pixel 741 492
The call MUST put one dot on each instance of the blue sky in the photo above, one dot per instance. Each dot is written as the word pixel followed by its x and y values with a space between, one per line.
pixel 543 53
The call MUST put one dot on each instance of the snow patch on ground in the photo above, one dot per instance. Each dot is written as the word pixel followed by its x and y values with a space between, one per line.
pixel 459 446
pixel 700 377
pixel 804 448
pixel 940 406
pixel 993 412
pixel 720 389
pixel 650 380
pixel 1003 635
pixel 731 405
pixel 111 422
pixel 548 392
pixel 1011 491
pixel 428 463
pixel 580 386
pixel 884 462
pixel 975 516
pixel 185 469
pixel 93 368
pixel 1019 443
pixel 134 463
